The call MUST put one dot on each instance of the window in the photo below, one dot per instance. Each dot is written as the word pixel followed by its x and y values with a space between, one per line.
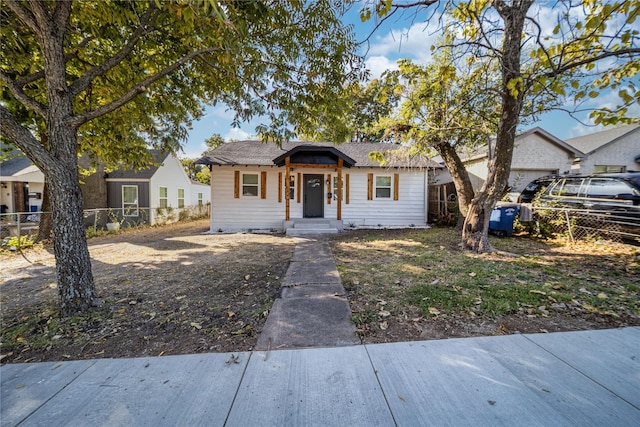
pixel 163 197
pixel 335 188
pixel 130 200
pixel 180 198
pixel 250 184
pixel 199 199
pixel 609 169
pixel 383 187
pixel 292 186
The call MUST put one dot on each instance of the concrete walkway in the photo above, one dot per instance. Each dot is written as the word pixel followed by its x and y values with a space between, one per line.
pixel 589 378
pixel 312 310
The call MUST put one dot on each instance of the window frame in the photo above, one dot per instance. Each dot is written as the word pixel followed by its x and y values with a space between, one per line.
pixel 165 198
pixel 334 187
pixel 180 199
pixel 377 187
pixel 244 185
pixel 127 205
pixel 200 199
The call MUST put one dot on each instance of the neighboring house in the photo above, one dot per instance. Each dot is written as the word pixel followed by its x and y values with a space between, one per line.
pixel 21 185
pixel 155 194
pixel 611 150
pixel 158 193
pixel 536 153
pixel 256 185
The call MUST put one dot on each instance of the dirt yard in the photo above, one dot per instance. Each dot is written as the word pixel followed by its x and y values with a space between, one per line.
pixel 167 290
pixel 176 290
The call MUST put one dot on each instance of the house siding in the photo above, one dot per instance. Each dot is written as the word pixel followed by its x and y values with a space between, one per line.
pixel 231 213
pixel 620 153
pixel 114 194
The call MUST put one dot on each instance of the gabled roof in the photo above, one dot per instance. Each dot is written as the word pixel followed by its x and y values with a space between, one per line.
pixel 482 151
pixel 158 158
pixel 594 141
pixel 15 166
pixel 323 153
pixel 256 153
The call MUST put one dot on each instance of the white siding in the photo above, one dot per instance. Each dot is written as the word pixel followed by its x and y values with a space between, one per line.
pixel 244 213
pixel 173 176
pixel 620 153
pixel 408 210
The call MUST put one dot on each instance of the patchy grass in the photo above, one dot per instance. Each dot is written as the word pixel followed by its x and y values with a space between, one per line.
pixel 420 285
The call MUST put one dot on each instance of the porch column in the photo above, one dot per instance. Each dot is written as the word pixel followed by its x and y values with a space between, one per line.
pixel 287 184
pixel 339 207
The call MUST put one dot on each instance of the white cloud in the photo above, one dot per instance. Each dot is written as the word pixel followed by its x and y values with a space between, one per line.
pixel 414 42
pixel 379 64
pixel 237 134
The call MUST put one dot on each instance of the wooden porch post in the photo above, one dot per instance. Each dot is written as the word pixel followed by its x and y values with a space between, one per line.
pixel 339 207
pixel 287 184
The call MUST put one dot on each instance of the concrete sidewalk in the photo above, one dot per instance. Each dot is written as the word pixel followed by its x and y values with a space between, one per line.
pixel 583 378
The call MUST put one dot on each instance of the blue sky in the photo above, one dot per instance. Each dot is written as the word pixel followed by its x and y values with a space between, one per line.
pixel 400 37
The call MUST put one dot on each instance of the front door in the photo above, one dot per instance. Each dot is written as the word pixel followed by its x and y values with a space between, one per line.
pixel 313 206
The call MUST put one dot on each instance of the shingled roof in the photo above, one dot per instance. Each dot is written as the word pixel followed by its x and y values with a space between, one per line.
pixel 256 153
pixel 158 157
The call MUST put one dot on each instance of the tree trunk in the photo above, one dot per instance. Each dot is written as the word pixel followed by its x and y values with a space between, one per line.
pixel 76 289
pixel 475 232
pixel 459 175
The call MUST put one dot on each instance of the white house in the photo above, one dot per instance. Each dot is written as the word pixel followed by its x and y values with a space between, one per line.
pixel 611 150
pixel 257 185
pixel 160 191
pixel 21 185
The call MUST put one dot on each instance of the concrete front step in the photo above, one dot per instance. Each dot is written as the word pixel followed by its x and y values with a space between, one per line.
pixel 294 231
pixel 308 226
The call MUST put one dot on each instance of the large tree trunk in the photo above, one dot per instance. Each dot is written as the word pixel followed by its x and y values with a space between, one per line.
pixel 475 233
pixel 460 177
pixel 76 288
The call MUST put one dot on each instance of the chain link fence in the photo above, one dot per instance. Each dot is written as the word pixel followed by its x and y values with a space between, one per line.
pixel 577 224
pixel 21 229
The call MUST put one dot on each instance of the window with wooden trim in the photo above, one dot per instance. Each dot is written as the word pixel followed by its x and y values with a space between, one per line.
pixel 180 198
pixel 163 197
pixel 383 186
pixel 250 185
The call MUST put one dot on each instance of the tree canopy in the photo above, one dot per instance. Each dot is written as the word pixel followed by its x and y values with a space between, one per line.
pixel 109 78
pixel 589 47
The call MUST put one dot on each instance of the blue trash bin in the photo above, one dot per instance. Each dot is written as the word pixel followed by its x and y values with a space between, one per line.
pixel 501 221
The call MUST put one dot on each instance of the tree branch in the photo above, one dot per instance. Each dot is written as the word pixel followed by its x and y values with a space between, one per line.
pixel 18 93
pixel 587 60
pixel 77 121
pixel 24 14
pixel 83 82
pixel 24 139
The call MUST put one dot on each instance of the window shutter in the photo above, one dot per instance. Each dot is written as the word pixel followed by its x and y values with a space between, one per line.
pixel 370 186
pixel 236 184
pixel 279 187
pixel 346 189
pixel 263 185
pixel 298 187
pixel 396 180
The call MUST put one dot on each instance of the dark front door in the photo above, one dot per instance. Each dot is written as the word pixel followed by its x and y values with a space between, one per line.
pixel 313 206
